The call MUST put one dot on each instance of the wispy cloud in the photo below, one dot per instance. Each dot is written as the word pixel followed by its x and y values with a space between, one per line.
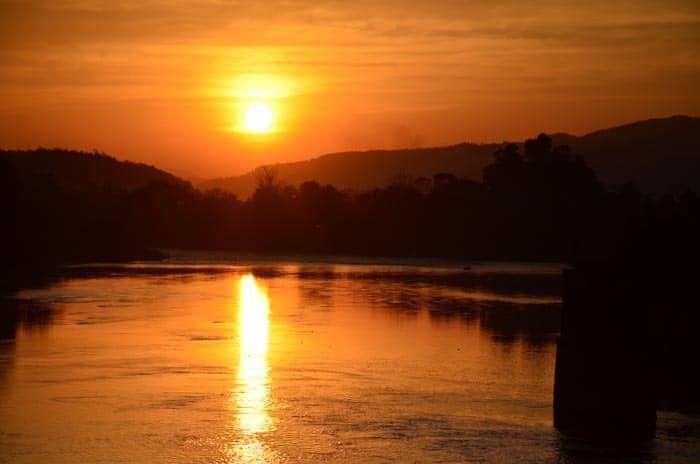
pixel 397 57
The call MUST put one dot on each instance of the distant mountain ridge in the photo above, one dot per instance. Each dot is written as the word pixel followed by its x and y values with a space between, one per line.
pixel 657 153
pixel 79 171
pixel 362 170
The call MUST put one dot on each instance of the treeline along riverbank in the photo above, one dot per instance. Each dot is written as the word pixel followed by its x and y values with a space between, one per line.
pixel 538 203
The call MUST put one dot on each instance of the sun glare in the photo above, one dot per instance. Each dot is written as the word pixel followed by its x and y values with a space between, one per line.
pixel 257 117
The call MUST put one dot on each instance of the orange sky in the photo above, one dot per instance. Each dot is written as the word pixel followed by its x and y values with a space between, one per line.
pixel 164 82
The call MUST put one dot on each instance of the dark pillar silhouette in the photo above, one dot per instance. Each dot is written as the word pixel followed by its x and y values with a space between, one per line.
pixel 605 378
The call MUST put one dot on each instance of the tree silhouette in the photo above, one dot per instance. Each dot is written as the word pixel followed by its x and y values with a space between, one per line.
pixel 545 204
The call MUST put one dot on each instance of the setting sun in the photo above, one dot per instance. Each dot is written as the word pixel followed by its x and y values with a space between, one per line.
pixel 258 117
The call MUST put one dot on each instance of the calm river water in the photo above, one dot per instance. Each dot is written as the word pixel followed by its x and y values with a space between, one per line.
pixel 293 362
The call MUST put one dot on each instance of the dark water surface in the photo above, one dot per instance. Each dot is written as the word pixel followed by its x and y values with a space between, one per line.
pixel 200 361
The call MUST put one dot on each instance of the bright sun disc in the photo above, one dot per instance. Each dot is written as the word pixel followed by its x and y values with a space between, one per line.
pixel 257 117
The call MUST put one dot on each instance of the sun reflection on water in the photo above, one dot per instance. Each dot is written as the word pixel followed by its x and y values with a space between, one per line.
pixel 252 392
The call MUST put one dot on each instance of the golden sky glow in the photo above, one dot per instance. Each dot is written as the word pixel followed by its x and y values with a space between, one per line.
pixel 166 82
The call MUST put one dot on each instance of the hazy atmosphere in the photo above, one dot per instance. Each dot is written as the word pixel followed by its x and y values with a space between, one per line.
pixel 167 82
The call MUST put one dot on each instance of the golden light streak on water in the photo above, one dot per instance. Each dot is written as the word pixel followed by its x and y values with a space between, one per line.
pixel 252 392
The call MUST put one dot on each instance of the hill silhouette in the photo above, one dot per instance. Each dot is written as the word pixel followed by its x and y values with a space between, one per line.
pixel 536 201
pixel 657 154
pixel 82 171
pixel 363 170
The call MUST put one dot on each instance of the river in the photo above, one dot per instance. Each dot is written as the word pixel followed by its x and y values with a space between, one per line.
pixel 294 361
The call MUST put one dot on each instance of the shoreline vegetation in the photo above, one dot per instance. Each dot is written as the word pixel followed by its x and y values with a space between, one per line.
pixel 542 203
